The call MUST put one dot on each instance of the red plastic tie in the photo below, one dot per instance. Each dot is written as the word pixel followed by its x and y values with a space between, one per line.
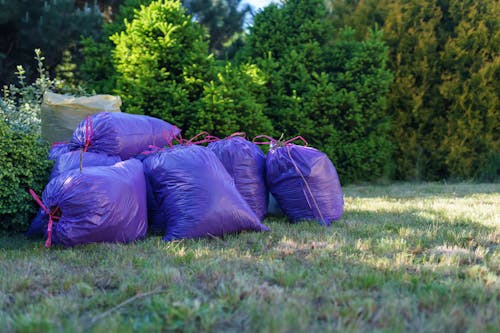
pixel 52 217
pixel 207 139
pixel 191 141
pixel 169 136
pixel 238 134
pixel 48 242
pixel 271 140
pixel 212 138
pixel 88 133
pixel 58 143
pixel 38 201
pixel 296 138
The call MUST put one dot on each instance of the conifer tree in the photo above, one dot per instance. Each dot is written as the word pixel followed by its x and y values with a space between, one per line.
pixel 162 62
pixel 53 26
pixel 325 85
pixel 411 31
pixel 471 89
pixel 444 99
pixel 164 70
pixel 222 22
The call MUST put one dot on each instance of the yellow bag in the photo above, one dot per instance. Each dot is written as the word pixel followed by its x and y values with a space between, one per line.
pixel 61 114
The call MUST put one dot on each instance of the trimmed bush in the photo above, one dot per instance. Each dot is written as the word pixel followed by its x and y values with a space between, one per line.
pixel 325 85
pixel 444 100
pixel 164 70
pixel 162 62
pixel 230 103
pixel 24 165
pixel 53 26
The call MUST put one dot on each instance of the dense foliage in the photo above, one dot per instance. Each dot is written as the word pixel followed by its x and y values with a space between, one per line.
pixel 164 70
pixel 52 26
pixel 230 103
pixel 301 72
pixel 444 100
pixel 471 89
pixel 23 154
pixel 162 63
pixel 222 22
pixel 328 89
pixel 23 158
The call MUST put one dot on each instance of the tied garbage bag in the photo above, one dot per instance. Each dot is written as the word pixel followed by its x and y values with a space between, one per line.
pixel 62 113
pixel 57 149
pixel 304 182
pixel 68 161
pixel 98 204
pixel 121 134
pixel 77 158
pixel 246 163
pixel 196 194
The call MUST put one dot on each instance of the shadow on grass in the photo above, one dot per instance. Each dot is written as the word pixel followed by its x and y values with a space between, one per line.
pixel 424 190
pixel 17 241
pixel 298 277
pixel 427 225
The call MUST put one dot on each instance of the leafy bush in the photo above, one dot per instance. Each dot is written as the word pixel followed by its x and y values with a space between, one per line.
pixel 328 87
pixel 20 106
pixel 444 100
pixel 230 103
pixel 162 63
pixel 23 154
pixel 53 26
pixel 23 158
pixel 221 19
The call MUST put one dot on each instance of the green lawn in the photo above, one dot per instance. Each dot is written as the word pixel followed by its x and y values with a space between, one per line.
pixel 404 257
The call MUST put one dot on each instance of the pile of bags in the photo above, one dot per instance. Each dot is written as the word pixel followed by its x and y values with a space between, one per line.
pixel 122 174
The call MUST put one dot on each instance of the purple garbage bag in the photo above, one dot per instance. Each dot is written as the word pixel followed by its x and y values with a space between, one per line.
pixel 121 134
pixel 305 183
pixel 75 159
pixel 58 149
pixel 246 163
pixel 65 162
pixel 98 204
pixel 196 194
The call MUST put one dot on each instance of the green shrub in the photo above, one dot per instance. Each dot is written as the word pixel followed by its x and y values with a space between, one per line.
pixel 471 90
pixel 23 158
pixel 444 100
pixel 23 154
pixel 231 104
pixel 162 63
pixel 221 19
pixel 325 85
pixel 20 105
pixel 53 26
pixel 97 69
